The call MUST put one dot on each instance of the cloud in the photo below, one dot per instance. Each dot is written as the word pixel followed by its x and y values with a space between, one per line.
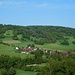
pixel 62 6
pixel 12 2
pixel 35 5
pixel 9 4
pixel 22 4
pixel 42 5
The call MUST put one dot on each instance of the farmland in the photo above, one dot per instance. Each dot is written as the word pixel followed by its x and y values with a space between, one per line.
pixel 47 38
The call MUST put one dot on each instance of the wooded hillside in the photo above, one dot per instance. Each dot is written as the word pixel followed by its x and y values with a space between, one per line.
pixel 46 33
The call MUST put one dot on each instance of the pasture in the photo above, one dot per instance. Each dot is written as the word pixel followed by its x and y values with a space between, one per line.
pixel 21 72
pixel 11 41
pixel 48 46
pixel 10 50
pixel 58 46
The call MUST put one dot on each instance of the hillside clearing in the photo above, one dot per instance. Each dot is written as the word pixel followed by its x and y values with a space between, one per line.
pixel 11 41
pixel 20 72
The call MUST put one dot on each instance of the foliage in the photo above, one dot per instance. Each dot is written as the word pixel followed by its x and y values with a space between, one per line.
pixel 38 56
pixel 63 67
pixel 41 42
pixel 48 33
pixel 73 42
pixel 31 45
pixel 11 71
pixel 9 63
pixel 65 42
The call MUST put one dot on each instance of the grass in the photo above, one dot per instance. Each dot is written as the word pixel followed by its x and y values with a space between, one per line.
pixel 24 44
pixel 4 49
pixel 11 41
pixel 19 36
pixel 10 50
pixel 8 33
pixel 20 72
pixel 49 46
pixel 58 46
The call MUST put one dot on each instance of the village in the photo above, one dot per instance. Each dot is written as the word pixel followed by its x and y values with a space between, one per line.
pixel 29 49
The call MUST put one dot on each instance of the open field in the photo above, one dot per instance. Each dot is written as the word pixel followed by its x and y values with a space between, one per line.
pixel 20 72
pixel 11 41
pixel 48 46
pixel 10 50
pixel 58 46
pixel 8 33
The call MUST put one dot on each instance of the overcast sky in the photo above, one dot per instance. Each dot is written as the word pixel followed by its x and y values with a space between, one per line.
pixel 38 12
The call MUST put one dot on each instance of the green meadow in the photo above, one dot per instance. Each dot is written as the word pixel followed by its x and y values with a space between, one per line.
pixel 21 72
pixel 10 50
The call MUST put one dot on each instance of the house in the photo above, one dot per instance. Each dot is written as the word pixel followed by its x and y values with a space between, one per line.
pixel 26 50
pixel 23 51
pixel 35 49
pixel 17 48
pixel 29 49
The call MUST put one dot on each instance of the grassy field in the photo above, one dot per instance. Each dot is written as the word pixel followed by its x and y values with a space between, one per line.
pixel 10 50
pixel 48 46
pixel 58 46
pixel 11 41
pixel 20 72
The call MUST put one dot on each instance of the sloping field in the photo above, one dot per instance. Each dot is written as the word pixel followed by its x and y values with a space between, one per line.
pixel 11 41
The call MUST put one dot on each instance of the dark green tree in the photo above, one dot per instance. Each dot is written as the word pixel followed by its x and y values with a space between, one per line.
pixel 38 56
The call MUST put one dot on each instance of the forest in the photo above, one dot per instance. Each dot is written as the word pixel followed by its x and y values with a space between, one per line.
pixel 39 34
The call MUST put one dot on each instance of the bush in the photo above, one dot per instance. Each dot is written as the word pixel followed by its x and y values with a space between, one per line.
pixel 65 42
pixel 73 42
pixel 3 72
pixel 11 71
pixel 39 42
pixel 15 38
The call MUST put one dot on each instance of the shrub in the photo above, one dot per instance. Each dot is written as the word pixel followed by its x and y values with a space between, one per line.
pixel 65 42
pixel 73 42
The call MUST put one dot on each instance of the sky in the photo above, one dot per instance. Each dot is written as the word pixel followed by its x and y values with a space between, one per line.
pixel 38 12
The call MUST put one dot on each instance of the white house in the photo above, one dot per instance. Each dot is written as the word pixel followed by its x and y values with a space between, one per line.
pixel 17 48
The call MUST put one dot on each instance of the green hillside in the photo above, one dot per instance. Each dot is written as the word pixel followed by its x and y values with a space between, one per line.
pixel 45 37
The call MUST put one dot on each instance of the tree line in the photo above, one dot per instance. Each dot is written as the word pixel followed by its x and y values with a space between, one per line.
pixel 59 65
pixel 8 65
